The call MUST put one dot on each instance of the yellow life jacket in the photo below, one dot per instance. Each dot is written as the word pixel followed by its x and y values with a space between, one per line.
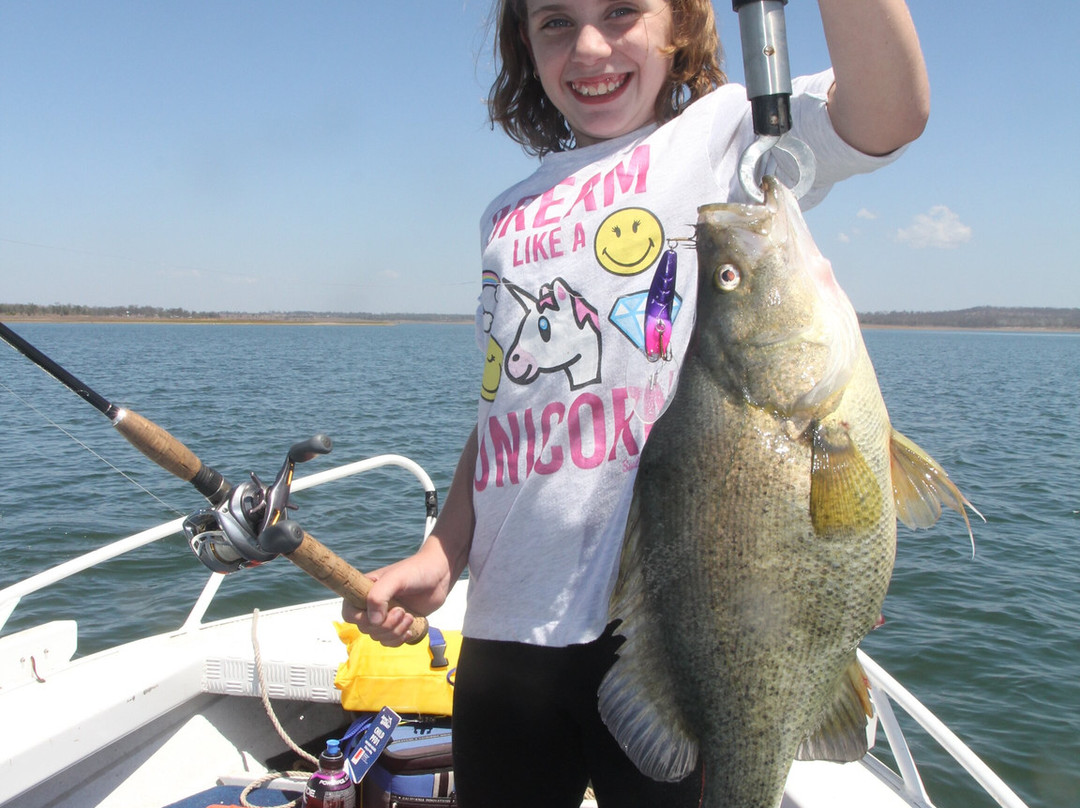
pixel 401 678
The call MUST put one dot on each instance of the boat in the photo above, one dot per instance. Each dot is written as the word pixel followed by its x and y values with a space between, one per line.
pixel 174 718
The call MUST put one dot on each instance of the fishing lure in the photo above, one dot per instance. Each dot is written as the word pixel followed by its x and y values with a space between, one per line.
pixel 658 308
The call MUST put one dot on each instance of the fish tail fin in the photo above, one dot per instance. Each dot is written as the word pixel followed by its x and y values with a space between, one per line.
pixel 921 487
pixel 840 734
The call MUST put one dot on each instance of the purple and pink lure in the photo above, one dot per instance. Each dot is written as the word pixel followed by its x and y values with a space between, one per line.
pixel 658 309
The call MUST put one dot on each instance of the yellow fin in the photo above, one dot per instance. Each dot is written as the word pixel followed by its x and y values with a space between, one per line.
pixel 840 734
pixel 921 487
pixel 845 496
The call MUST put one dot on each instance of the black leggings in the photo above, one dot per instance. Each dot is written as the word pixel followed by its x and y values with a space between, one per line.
pixel 527 732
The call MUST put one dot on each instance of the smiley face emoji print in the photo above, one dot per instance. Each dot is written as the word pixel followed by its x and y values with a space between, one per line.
pixel 629 241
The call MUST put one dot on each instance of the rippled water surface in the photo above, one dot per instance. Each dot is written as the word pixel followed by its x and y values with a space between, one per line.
pixel 990 644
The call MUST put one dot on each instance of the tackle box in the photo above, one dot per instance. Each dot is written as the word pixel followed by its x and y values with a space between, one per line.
pixel 414 771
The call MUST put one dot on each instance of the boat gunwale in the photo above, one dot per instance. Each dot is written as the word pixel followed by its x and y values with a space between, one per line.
pixel 885 690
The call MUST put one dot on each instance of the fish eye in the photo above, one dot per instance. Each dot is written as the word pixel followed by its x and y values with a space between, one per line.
pixel 727 277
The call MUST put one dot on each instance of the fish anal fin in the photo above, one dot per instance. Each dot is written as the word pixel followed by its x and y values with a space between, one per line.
pixel 636 696
pixel 845 495
pixel 840 734
pixel 921 487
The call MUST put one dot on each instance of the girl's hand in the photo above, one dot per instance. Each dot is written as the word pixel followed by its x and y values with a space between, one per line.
pixel 421 582
pixel 415 583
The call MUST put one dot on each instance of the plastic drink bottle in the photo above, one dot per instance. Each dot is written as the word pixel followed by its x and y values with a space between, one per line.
pixel 330 785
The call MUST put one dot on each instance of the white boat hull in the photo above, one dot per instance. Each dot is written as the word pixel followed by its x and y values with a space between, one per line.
pixel 156 720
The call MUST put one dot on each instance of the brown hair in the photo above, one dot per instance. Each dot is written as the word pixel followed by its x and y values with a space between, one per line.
pixel 517 101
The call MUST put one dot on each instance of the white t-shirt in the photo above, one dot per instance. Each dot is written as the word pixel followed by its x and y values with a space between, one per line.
pixel 568 258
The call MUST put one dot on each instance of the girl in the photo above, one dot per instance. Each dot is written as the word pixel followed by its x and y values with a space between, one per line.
pixel 626 106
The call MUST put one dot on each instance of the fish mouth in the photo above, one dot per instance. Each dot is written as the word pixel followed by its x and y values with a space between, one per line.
pixel 599 87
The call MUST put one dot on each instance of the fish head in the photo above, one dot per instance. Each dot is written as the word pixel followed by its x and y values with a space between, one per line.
pixel 773 325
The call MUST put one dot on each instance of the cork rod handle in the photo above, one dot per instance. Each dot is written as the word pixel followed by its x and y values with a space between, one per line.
pixel 328 568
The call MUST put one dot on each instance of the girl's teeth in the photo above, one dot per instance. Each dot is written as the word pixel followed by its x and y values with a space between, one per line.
pixel 600 88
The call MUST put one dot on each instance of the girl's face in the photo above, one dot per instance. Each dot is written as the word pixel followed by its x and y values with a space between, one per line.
pixel 600 61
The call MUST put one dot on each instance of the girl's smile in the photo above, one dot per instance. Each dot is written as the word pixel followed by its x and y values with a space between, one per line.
pixel 601 63
pixel 604 86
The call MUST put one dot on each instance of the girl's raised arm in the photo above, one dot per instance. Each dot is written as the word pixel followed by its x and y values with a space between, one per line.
pixel 881 98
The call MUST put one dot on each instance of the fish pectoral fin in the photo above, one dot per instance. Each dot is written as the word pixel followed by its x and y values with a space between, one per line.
pixel 636 696
pixel 921 487
pixel 840 735
pixel 845 495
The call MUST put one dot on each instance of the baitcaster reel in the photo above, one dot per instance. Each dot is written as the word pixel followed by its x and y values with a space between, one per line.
pixel 226 538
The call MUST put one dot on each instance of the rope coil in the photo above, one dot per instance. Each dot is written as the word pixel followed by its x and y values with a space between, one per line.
pixel 300 776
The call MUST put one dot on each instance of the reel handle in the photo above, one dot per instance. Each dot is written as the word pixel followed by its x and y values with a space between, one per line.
pixel 328 568
pixel 314 446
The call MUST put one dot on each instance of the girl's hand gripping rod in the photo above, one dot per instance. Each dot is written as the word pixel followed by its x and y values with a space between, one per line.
pixel 330 569
pixel 763 33
pixel 228 537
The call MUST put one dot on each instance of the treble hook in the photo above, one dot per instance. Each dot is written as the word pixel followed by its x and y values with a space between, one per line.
pixel 763 33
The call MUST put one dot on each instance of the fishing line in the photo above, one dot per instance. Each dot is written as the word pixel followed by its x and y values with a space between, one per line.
pixel 88 448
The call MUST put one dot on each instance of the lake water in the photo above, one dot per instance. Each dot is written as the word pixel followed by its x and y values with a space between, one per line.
pixel 991 644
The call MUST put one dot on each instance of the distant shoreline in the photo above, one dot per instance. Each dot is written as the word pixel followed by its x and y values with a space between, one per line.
pixel 238 320
pixel 979 318
pixel 334 321
pixel 1004 328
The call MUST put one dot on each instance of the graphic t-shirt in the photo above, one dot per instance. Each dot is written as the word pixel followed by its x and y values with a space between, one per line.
pixel 568 396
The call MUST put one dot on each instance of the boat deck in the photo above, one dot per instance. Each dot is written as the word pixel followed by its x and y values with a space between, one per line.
pixel 175 714
pixel 153 722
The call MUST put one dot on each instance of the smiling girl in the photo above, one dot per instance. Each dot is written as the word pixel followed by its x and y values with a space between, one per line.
pixel 635 127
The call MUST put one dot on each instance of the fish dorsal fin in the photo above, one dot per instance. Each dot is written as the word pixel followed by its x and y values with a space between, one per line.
pixel 637 701
pixel 921 487
pixel 840 734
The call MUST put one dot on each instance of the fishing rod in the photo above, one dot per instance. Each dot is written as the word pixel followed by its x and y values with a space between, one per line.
pixel 246 524
pixel 146 436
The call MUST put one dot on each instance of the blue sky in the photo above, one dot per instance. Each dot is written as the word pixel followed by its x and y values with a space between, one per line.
pixel 335 156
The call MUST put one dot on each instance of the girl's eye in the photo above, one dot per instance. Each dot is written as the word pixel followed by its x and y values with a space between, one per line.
pixel 555 23
pixel 624 14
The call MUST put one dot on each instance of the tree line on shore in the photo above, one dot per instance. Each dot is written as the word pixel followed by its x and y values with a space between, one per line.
pixel 978 317
pixel 73 311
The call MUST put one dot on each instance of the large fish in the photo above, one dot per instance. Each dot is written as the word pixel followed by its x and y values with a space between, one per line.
pixel 761 537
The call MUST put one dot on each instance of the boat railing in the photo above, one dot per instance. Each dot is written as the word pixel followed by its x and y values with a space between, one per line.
pixel 885 690
pixel 11 595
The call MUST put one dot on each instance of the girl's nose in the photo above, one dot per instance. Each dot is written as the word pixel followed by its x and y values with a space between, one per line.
pixel 591 45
